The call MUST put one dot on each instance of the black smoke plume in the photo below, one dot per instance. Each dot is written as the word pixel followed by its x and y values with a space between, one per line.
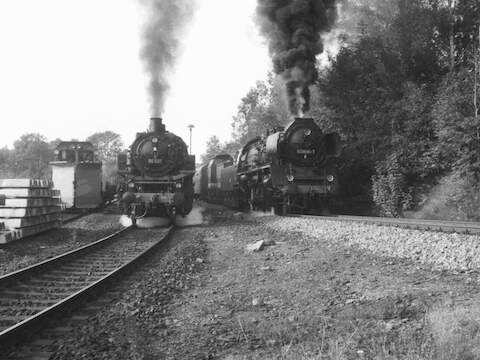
pixel 292 29
pixel 161 44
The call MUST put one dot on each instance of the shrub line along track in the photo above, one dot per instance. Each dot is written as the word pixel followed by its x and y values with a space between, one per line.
pixel 30 297
pixel 464 227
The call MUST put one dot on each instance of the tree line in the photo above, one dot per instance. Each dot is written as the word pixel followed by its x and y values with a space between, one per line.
pixel 403 93
pixel 32 152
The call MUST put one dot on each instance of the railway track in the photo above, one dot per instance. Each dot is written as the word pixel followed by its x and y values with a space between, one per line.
pixel 463 227
pixel 68 216
pixel 32 297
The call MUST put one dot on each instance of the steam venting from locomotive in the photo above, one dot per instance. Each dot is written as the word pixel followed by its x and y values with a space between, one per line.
pixel 166 20
pixel 293 30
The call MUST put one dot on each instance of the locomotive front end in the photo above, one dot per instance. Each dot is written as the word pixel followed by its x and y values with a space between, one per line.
pixel 291 168
pixel 304 157
pixel 158 173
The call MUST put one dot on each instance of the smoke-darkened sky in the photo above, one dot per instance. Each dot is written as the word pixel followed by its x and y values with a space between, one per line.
pixel 72 68
pixel 293 29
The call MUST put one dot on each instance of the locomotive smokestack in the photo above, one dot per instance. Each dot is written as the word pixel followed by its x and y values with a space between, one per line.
pixel 156 125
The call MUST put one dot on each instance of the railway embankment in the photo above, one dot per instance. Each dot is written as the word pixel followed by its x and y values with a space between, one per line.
pixel 315 292
pixel 443 251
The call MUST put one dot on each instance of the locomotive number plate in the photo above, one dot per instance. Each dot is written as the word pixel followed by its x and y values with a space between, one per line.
pixel 305 151
pixel 155 161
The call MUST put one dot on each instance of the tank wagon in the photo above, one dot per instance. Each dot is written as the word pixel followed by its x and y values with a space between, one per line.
pixel 77 173
pixel 157 174
pixel 291 169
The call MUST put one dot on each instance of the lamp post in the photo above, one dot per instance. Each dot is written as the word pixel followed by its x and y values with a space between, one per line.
pixel 190 127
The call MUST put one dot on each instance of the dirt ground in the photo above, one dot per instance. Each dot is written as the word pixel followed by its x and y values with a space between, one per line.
pixel 205 296
pixel 304 299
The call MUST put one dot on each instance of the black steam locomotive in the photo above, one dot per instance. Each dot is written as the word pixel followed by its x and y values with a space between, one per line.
pixel 291 169
pixel 157 174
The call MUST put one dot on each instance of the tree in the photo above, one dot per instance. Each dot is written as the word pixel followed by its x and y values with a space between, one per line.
pixel 213 148
pixel 261 109
pixel 5 162
pixel 31 155
pixel 107 143
pixel 379 93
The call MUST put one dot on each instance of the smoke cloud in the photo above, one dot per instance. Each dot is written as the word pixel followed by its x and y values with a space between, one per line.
pixel 293 30
pixel 161 44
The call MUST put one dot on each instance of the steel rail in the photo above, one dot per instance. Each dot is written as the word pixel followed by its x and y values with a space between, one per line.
pixel 22 330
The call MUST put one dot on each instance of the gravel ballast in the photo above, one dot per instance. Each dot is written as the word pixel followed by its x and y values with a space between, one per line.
pixel 444 251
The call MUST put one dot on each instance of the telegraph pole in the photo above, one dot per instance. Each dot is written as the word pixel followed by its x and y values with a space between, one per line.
pixel 190 127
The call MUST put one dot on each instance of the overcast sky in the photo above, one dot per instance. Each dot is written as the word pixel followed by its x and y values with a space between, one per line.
pixel 70 68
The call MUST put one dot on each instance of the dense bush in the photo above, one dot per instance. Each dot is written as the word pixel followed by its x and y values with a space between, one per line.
pixel 389 187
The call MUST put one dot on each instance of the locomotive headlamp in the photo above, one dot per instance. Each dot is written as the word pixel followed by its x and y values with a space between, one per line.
pixel 307 132
pixel 330 178
pixel 290 177
pixel 56 152
pixel 178 185
pixel 155 140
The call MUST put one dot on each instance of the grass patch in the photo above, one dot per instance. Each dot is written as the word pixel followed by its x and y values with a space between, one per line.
pixel 456 332
pixel 388 329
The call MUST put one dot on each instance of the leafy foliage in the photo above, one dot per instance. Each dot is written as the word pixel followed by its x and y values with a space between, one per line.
pixel 398 103
pixel 30 157
pixel 108 145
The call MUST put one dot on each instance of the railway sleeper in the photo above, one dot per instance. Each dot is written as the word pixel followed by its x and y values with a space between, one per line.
pixel 114 261
pixel 22 313
pixel 27 294
pixel 100 257
pixel 91 259
pixel 89 267
pixel 8 321
pixel 102 268
pixel 14 302
pixel 71 276
pixel 52 290
pixel 96 263
pixel 58 283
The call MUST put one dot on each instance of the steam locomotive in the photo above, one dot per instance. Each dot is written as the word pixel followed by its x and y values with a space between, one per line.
pixel 157 174
pixel 291 170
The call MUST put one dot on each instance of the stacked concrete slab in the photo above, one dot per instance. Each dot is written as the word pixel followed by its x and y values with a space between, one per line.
pixel 27 207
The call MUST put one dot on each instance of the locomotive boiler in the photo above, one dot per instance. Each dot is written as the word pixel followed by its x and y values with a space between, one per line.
pixel 157 174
